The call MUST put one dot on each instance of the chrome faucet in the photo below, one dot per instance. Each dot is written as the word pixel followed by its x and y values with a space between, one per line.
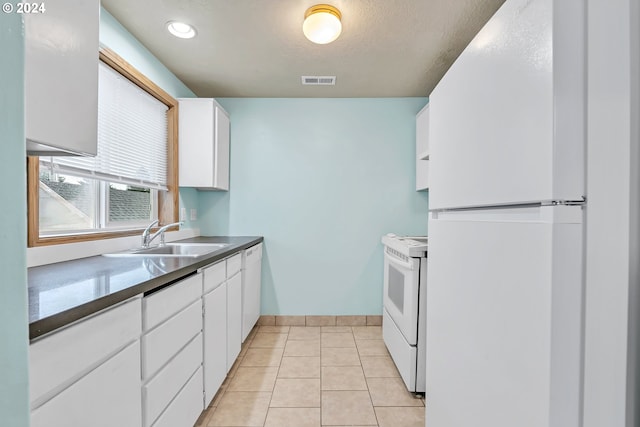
pixel 160 233
pixel 145 234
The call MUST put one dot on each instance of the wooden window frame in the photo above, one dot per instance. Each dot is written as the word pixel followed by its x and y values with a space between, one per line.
pixel 167 200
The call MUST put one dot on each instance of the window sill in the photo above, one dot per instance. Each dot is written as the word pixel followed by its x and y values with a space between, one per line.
pixel 41 255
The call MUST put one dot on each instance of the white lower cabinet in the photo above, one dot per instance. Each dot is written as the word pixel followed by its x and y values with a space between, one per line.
pixel 215 330
pixel 107 396
pixel 75 370
pixel 172 354
pixel 234 318
pixel 152 361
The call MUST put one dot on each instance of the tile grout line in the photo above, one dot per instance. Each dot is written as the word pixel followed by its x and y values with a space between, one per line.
pixel 366 382
pixel 276 380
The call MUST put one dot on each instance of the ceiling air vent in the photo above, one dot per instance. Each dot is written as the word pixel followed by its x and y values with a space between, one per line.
pixel 319 80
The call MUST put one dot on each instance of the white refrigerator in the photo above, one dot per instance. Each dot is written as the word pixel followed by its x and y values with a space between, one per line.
pixel 505 290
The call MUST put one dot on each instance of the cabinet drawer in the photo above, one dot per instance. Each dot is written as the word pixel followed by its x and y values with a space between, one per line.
pixel 57 360
pixel 106 397
pixel 164 386
pixel 165 341
pixel 163 304
pixel 234 264
pixel 214 276
pixel 186 407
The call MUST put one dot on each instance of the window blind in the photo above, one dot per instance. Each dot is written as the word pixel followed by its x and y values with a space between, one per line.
pixel 132 137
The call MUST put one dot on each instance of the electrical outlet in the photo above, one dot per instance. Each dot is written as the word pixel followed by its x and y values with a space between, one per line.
pixel 194 214
pixel 183 214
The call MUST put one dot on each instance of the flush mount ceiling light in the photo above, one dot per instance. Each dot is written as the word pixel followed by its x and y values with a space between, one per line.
pixel 322 23
pixel 181 30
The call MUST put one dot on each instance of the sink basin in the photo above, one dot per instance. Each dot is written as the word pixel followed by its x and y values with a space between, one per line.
pixel 187 250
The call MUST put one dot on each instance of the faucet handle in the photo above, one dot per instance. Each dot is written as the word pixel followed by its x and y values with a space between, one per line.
pixel 148 229
pixel 146 232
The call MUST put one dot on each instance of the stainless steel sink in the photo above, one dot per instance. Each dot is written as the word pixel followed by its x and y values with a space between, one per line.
pixel 186 250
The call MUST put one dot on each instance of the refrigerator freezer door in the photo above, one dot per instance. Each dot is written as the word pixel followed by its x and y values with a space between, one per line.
pixel 507 120
pixel 504 310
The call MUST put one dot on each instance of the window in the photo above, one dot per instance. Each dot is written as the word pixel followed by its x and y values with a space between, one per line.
pixel 68 203
pixel 132 180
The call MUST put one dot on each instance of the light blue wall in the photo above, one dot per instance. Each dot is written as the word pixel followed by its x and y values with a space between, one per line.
pixel 114 36
pixel 14 336
pixel 322 180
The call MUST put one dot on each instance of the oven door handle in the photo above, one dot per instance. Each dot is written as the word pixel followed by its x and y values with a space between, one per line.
pixel 400 263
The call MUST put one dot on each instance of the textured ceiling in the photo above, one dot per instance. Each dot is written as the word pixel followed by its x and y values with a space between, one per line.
pixel 255 48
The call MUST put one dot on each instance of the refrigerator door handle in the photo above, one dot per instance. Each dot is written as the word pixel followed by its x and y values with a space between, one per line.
pixel 536 204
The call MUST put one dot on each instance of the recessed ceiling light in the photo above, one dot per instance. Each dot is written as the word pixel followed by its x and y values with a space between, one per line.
pixel 181 30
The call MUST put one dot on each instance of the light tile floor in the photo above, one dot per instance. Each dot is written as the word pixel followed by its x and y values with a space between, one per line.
pixel 306 376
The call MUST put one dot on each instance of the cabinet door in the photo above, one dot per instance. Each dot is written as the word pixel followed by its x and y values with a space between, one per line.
pixel 422 149
pixel 196 142
pixel 107 396
pixel 222 134
pixel 61 77
pixel 204 144
pixel 234 318
pixel 215 341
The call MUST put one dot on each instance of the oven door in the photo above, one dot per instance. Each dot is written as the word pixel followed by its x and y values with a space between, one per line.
pixel 401 288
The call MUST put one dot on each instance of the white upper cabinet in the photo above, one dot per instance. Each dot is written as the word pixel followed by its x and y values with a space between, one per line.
pixel 204 144
pixel 422 149
pixel 61 78
pixel 510 111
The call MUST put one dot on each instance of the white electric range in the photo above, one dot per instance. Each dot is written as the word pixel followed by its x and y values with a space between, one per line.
pixel 404 306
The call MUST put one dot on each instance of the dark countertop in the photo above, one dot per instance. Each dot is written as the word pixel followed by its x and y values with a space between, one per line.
pixel 65 292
